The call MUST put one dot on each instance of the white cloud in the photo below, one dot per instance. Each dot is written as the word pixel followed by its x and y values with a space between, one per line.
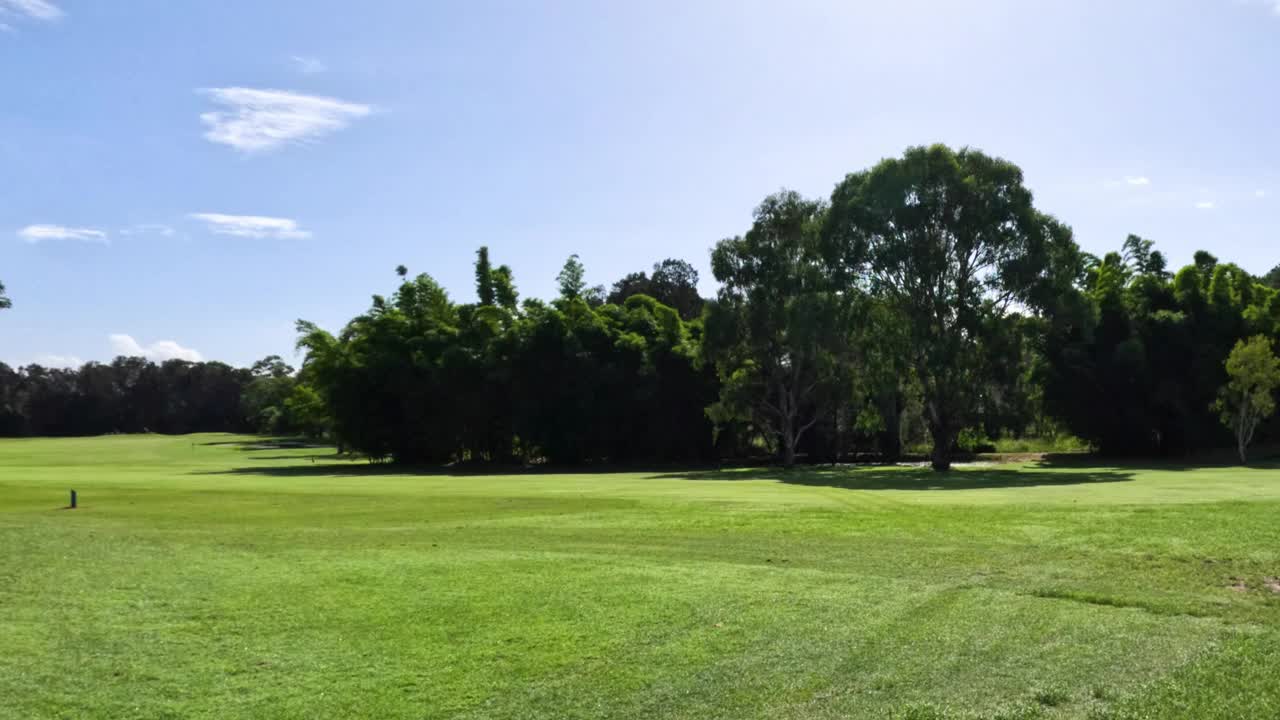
pixel 1273 4
pixel 39 233
pixel 35 9
pixel 259 120
pixel 1205 205
pixel 149 229
pixel 159 351
pixel 252 226
pixel 1260 193
pixel 308 65
pixel 1140 180
pixel 57 361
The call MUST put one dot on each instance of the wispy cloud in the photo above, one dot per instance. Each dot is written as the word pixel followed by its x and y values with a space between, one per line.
pixel 1206 205
pixel 252 226
pixel 1273 4
pixel 57 361
pixel 34 9
pixel 308 65
pixel 257 120
pixel 1260 193
pixel 1128 181
pixel 149 229
pixel 159 351
pixel 40 233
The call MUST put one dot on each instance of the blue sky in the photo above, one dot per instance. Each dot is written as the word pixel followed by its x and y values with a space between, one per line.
pixel 183 179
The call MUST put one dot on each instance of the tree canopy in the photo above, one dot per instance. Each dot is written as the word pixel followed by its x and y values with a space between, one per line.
pixel 778 331
pixel 951 241
pixel 1248 398
pixel 927 306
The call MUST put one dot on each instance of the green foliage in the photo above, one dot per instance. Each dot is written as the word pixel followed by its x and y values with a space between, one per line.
pixel 974 440
pixel 1248 398
pixel 674 283
pixel 5 302
pixel 127 395
pixel 1133 360
pixel 486 289
pixel 949 239
pixel 421 379
pixel 1272 278
pixel 1054 443
pixel 572 279
pixel 779 331
pixel 504 289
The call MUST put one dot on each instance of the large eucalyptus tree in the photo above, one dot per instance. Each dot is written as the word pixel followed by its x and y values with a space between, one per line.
pixel 779 326
pixel 950 240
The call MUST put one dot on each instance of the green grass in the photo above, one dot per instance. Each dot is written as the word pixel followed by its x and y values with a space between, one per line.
pixel 206 577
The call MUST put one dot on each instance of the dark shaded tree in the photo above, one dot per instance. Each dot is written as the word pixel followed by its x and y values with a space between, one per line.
pixel 950 239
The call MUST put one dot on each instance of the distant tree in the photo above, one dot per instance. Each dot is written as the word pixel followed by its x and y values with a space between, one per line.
pixel 1144 260
pixel 636 283
pixel 484 278
pixel 1248 397
pixel 271 366
pixel 777 329
pixel 571 280
pixel 264 397
pixel 675 283
pixel 1204 261
pixel 307 411
pixel 504 288
pixel 402 271
pixel 4 299
pixel 950 239
pixel 1271 279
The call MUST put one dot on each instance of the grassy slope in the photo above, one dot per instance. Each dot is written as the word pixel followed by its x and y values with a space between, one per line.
pixel 201 579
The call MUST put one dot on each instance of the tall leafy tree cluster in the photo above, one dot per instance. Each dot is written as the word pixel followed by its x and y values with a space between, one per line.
pixel 420 378
pixel 1135 357
pixel 949 241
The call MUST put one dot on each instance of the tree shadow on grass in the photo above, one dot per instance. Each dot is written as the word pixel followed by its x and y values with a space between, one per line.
pixel 332 466
pixel 324 469
pixel 1216 460
pixel 269 443
pixel 848 477
pixel 903 478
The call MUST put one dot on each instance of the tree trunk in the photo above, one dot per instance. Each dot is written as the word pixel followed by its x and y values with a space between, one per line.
pixel 941 461
pixel 1242 432
pixel 943 437
pixel 788 451
pixel 889 404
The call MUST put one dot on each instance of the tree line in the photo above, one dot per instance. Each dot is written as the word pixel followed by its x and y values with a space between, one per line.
pixel 927 296
pixel 925 301
pixel 136 395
